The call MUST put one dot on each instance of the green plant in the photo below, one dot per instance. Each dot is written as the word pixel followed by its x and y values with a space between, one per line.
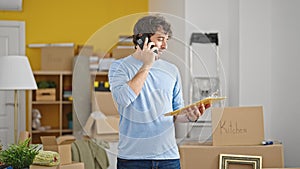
pixel 46 84
pixel 19 155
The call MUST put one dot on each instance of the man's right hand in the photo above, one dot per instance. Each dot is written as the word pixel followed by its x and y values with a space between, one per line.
pixel 147 55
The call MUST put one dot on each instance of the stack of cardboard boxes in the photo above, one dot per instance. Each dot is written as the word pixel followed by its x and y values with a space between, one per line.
pixel 237 131
pixel 62 145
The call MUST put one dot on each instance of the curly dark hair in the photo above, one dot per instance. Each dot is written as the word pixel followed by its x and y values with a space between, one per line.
pixel 149 25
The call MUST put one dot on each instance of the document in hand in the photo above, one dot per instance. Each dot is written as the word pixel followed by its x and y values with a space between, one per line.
pixel 208 100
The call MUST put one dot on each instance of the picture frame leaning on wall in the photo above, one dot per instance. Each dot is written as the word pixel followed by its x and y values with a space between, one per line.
pixel 225 161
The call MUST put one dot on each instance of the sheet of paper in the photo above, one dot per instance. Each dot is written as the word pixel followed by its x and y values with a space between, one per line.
pixel 208 100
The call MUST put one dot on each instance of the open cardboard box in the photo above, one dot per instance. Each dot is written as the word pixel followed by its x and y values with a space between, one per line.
pixel 62 145
pixel 102 127
pixel 103 123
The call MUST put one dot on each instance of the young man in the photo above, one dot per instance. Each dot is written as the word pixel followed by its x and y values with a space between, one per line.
pixel 145 88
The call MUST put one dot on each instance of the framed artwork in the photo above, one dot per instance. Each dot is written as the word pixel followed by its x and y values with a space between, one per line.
pixel 225 160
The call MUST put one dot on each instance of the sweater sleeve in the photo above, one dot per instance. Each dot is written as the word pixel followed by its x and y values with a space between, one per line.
pixel 118 78
pixel 177 101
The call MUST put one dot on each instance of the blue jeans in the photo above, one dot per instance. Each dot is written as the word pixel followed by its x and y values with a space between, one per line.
pixel 148 164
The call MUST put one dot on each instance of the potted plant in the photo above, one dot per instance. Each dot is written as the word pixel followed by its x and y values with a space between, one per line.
pixel 19 156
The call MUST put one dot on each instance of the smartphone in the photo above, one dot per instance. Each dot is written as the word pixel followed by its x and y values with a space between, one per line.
pixel 141 40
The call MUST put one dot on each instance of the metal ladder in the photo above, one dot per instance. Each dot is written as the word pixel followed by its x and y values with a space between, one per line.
pixel 203 86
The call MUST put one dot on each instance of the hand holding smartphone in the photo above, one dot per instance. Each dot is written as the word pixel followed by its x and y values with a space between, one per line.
pixel 141 40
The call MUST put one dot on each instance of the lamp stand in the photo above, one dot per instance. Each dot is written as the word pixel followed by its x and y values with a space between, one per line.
pixel 16 116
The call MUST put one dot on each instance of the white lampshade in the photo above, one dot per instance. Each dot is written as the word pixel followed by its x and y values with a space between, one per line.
pixel 16 73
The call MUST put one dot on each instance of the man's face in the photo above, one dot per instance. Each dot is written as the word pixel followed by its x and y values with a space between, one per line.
pixel 160 39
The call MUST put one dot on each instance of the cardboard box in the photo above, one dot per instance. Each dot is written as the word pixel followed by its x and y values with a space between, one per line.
pixel 237 126
pixel 104 63
pixel 23 136
pixel 62 145
pixel 85 50
pixel 103 102
pixel 102 127
pixel 110 125
pixel 73 165
pixel 42 167
pixel 103 123
pixel 207 156
pixel 118 53
pixel 57 58
pixel 45 94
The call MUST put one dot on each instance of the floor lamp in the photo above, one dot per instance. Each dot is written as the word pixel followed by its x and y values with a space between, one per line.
pixel 15 75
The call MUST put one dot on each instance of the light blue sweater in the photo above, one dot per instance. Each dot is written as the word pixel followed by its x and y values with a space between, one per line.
pixel 145 133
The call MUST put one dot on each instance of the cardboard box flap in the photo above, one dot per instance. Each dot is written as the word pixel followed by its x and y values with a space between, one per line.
pixel 52 140
pixel 62 145
pixel 237 126
pixel 89 124
pixel 113 121
pixel 102 127
pixel 48 140
pixel 67 139
pixel 107 126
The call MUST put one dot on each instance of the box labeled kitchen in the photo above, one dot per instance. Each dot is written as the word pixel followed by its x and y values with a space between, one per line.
pixel 237 126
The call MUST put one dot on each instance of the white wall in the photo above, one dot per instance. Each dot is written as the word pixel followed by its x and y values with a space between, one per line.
pixel 177 45
pixel 213 17
pixel 177 48
pixel 260 53
pixel 233 52
pixel 285 79
pixel 254 56
pixel 269 61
